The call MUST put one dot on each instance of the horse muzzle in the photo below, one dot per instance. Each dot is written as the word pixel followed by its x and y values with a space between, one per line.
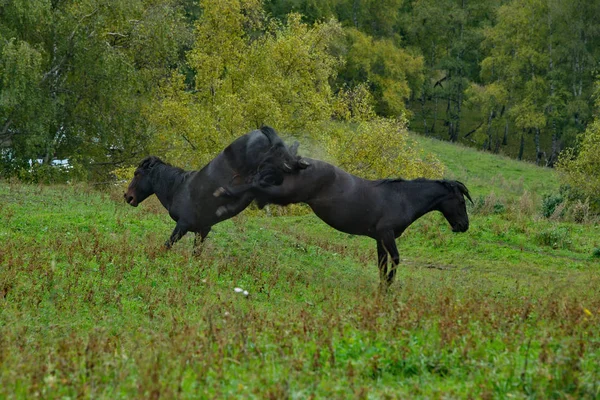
pixel 130 200
pixel 459 228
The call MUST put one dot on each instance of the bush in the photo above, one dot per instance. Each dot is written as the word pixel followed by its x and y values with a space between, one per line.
pixel 580 169
pixel 557 238
pixel 551 203
pixel 490 204
pixel 380 148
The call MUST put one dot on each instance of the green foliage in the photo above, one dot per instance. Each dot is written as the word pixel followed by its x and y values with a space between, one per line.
pixel 391 71
pixel 380 148
pixel 490 204
pixel 550 204
pixel 248 70
pixel 75 76
pixel 557 238
pixel 581 170
pixel 530 51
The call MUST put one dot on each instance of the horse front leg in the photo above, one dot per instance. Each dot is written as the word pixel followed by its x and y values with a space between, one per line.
pixel 388 242
pixel 177 234
pixel 232 191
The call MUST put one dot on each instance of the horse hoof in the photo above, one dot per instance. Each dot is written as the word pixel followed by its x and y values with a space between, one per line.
pixel 287 167
pixel 219 192
pixel 221 211
pixel 303 163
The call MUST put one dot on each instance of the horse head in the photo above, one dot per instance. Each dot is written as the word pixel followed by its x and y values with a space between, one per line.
pixel 454 207
pixel 141 184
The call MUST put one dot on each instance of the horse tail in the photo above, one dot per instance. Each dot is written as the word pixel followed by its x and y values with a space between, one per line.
pixel 271 134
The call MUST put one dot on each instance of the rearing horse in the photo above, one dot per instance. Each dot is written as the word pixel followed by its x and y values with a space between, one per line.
pixel 381 209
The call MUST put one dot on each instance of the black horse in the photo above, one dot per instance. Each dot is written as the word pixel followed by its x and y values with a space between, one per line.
pixel 381 209
pixel 188 195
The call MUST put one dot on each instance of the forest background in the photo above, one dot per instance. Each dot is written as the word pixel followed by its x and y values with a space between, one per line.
pixel 103 83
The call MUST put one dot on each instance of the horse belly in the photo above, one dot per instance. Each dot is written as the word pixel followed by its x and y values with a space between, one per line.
pixel 348 219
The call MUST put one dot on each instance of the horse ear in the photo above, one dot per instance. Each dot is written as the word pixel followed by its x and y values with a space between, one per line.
pixel 149 162
pixel 463 189
pixel 294 148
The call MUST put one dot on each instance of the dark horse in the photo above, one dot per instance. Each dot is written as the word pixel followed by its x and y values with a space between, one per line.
pixel 188 195
pixel 381 209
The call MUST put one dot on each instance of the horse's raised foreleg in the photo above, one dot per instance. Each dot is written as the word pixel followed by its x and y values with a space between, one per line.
pixel 177 234
pixel 235 207
pixel 233 191
pixel 388 241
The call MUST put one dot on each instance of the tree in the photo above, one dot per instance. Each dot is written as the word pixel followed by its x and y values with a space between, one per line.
pixel 75 76
pixel 580 166
pixel 390 71
pixel 247 70
pixel 448 33
pixel 537 54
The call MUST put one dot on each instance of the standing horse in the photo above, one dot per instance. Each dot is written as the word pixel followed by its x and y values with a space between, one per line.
pixel 381 209
pixel 187 195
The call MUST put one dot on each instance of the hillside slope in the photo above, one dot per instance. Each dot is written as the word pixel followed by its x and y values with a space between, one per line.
pixel 92 306
pixel 486 172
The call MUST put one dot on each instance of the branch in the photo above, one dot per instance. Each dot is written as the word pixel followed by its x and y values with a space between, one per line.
pixel 439 83
pixel 59 65
pixel 189 142
pixel 7 125
pixel 473 131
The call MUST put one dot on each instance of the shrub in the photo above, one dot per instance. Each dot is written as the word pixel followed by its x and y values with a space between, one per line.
pixel 380 148
pixel 580 168
pixel 490 204
pixel 557 238
pixel 550 204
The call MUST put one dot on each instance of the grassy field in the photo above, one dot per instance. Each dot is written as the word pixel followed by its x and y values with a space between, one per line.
pixel 92 306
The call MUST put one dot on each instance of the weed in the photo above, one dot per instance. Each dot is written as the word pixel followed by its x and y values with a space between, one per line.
pixel 490 204
pixel 551 205
pixel 556 237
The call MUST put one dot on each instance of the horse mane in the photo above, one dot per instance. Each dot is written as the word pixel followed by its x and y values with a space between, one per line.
pixel 448 183
pixel 153 161
pixel 390 181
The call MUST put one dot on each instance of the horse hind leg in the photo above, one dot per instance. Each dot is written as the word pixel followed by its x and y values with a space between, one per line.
pixel 389 244
pixel 382 261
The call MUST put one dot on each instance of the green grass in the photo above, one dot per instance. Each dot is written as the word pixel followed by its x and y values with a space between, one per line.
pixel 92 306
pixel 484 172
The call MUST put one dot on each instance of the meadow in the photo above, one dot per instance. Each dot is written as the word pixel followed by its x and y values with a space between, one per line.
pixel 92 306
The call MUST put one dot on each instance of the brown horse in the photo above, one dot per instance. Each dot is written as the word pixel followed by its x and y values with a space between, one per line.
pixel 187 195
pixel 380 209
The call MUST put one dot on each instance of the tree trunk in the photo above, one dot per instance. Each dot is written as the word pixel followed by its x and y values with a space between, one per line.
pixel 539 154
pixel 435 109
pixel 521 146
pixel 424 114
pixel 489 130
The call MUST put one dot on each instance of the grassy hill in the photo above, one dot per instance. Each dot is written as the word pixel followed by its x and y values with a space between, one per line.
pixel 92 306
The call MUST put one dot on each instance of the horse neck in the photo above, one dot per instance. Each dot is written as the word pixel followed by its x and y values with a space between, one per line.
pixel 165 182
pixel 425 196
